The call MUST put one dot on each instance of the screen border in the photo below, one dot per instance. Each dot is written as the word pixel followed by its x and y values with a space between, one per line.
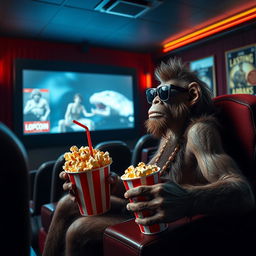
pixel 76 138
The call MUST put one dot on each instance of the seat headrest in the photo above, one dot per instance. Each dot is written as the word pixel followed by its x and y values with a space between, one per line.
pixel 144 141
pixel 11 145
pixel 120 153
pixel 237 116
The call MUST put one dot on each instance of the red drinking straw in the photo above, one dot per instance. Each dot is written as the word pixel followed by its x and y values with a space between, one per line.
pixel 88 135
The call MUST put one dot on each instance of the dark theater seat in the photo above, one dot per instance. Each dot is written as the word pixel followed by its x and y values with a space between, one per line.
pixel 47 210
pixel 41 196
pixel 145 142
pixel 204 235
pixel 42 186
pixel 14 184
pixel 56 185
pixel 120 153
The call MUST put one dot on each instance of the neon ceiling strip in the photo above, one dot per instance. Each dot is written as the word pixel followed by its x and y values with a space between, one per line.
pixel 211 29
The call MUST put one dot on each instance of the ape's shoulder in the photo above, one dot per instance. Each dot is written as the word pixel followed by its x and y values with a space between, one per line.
pixel 203 135
pixel 209 120
pixel 205 119
pixel 203 125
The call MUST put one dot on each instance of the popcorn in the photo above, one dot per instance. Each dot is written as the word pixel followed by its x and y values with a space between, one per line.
pixel 141 170
pixel 80 159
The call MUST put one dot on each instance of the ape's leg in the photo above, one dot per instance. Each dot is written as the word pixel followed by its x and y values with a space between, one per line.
pixel 85 235
pixel 66 212
pixel 81 234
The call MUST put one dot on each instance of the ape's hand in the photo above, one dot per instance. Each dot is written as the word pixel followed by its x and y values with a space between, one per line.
pixel 68 186
pixel 168 201
pixel 117 187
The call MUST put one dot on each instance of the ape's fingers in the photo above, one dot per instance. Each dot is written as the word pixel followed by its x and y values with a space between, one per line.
pixel 72 194
pixel 138 191
pixel 72 198
pixel 67 186
pixel 112 178
pixel 157 218
pixel 63 175
pixel 142 206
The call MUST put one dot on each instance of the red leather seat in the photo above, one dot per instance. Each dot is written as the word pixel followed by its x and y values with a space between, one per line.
pixel 237 115
pixel 202 235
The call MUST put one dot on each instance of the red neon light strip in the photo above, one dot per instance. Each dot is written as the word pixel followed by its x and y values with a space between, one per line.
pixel 208 33
pixel 211 27
pixel 214 31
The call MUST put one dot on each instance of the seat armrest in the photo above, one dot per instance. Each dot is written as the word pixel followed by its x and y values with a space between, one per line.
pixel 200 235
pixel 47 211
pixel 126 239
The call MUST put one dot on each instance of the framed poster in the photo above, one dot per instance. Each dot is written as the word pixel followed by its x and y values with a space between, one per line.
pixel 241 70
pixel 205 70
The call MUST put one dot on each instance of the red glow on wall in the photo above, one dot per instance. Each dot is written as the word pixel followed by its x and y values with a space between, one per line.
pixel 1 70
pixel 148 80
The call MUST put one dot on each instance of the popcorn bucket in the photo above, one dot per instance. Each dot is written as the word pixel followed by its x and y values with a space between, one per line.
pixel 150 179
pixel 92 190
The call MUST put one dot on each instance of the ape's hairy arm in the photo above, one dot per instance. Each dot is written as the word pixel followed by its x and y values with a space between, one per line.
pixel 228 191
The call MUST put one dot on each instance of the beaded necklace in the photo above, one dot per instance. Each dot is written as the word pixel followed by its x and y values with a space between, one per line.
pixel 170 158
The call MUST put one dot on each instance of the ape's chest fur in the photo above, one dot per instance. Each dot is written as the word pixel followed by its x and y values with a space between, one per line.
pixel 184 168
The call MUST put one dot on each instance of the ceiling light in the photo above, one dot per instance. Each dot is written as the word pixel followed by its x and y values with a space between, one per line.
pixel 126 8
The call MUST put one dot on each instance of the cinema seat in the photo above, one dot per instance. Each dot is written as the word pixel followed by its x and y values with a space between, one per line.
pixel 41 196
pixel 56 185
pixel 42 187
pixel 47 210
pixel 120 153
pixel 14 182
pixel 146 141
pixel 204 235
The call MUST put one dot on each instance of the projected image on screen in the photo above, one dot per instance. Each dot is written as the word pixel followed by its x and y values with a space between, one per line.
pixel 52 99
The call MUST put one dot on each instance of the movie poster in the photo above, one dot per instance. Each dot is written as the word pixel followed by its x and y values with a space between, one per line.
pixel 241 70
pixel 36 110
pixel 205 70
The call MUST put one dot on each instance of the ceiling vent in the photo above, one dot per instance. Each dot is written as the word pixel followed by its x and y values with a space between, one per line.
pixel 126 8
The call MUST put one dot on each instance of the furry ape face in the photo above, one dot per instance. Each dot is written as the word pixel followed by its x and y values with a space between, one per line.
pixel 181 106
pixel 166 115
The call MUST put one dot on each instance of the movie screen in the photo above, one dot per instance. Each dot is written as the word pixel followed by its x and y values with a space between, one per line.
pixel 52 99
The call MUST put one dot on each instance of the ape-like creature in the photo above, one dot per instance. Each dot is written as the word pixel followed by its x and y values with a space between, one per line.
pixel 198 176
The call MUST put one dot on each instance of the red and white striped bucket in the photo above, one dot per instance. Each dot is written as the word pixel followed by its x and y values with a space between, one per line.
pixel 92 190
pixel 146 180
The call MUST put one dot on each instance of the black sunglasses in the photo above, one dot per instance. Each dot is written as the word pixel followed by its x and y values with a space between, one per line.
pixel 163 92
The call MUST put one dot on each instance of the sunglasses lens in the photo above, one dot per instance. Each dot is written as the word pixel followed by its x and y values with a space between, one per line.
pixel 163 92
pixel 150 93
